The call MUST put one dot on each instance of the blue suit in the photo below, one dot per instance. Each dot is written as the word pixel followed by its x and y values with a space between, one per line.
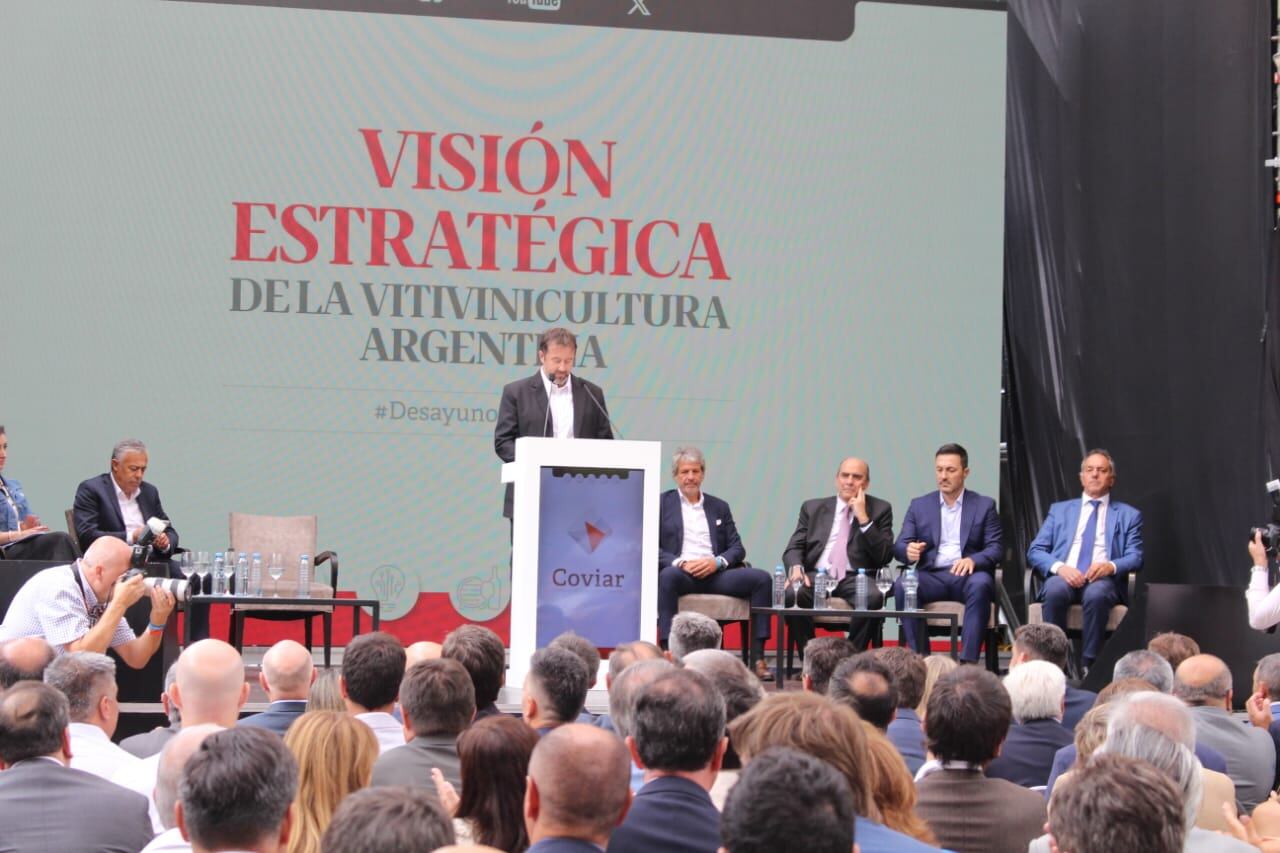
pixel 670 814
pixel 563 845
pixel 279 715
pixel 906 734
pixel 1123 538
pixel 980 538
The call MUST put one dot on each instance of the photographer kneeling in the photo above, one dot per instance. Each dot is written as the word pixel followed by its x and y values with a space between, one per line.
pixel 81 607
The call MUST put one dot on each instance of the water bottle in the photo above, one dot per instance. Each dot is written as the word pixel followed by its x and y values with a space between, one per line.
pixel 909 586
pixel 821 589
pixel 860 590
pixel 304 576
pixel 242 574
pixel 779 587
pixel 219 574
pixel 255 574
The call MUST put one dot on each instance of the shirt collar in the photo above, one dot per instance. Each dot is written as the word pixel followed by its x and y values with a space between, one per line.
pixel 1103 502
pixel 684 500
pixel 120 495
pixel 552 388
pixel 942 500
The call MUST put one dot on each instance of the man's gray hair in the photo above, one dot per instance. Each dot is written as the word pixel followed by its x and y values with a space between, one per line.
pixel 1268 674
pixel 687 454
pixel 83 677
pixel 128 445
pixel 627 686
pixel 691 631
pixel 739 686
pixel 170 676
pixel 1157 711
pixel 1127 736
pixel 1035 690
pixel 1098 451
pixel 1146 665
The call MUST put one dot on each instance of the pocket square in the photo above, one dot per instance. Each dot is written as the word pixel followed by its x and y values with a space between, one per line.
pixel 718 520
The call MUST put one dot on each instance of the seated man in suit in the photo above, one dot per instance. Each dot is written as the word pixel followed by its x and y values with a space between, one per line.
pixel 850 531
pixel 286 676
pixel 437 701
pixel 24 536
pixel 555 689
pixel 864 684
pixel 24 659
pixel 483 655
pixel 1036 689
pixel 88 680
pixel 372 669
pixel 1085 550
pixel 1046 641
pixel 905 731
pixel 772 785
pixel 1264 703
pixel 1119 803
pixel 699 551
pixel 396 818
pixel 173 759
pixel 573 766
pixel 953 537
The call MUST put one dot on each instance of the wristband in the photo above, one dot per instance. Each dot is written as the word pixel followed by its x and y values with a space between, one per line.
pixel 158 629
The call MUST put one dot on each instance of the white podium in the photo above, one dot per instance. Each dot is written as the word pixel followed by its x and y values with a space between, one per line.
pixel 584 543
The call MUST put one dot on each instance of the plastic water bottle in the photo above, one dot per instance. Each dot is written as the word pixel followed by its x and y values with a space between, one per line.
pixel 219 573
pixel 910 584
pixel 779 587
pixel 304 576
pixel 255 574
pixel 860 590
pixel 821 589
pixel 242 574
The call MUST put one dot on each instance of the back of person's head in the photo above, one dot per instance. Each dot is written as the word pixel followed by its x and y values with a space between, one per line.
pixel 335 754
pixel 1036 689
pixel 86 679
pixel 892 788
pixel 627 686
pixel 1173 647
pixel 579 783
pixel 737 685
pixel 288 670
pixel 482 655
pixel 935 666
pixel 1267 675
pixel 372 668
pixel 1117 803
pixel 678 723
pixel 1154 710
pixel 821 657
pixel 388 820
pixel 493 759
pixel 968 716
pixel 326 692
pixel 692 631
pixel 1124 687
pixel 1145 726
pixel 237 789
pixel 558 681
pixel 908 671
pixel 815 725
pixel 209 685
pixel 1042 641
pixel 33 721
pixel 865 684
pixel 24 659
pixel 437 697
pixel 584 649
pixel 420 651
pixel 173 760
pixel 626 654
pixel 772 785
pixel 1202 680
pixel 1147 665
pixel 1091 732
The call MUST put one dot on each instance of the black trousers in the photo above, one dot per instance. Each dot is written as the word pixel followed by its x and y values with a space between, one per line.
pixel 860 630
pixel 54 545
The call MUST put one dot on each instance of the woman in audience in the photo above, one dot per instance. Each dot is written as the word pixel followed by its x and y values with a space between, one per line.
pixel 493 757
pixel 893 789
pixel 935 666
pixel 335 753
pixel 325 695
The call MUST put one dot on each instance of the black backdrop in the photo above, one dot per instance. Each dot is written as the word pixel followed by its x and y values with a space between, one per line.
pixel 1138 214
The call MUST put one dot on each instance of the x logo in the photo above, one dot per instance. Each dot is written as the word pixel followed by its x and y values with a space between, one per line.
pixel 638 6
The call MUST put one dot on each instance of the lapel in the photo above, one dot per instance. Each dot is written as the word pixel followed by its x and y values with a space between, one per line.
pixel 1112 545
pixel 580 402
pixel 935 515
pixel 113 503
pixel 711 525
pixel 538 394
pixel 822 521
pixel 676 512
pixel 967 509
pixel 1069 524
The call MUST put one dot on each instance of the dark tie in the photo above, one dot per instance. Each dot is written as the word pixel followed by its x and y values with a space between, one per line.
pixel 1087 538
pixel 840 548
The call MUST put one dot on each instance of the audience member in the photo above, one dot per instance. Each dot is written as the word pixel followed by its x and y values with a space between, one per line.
pixel 965 723
pixel 237 793
pixel 1147 665
pixel 1036 690
pixel 741 690
pixel 555 689
pixel 420 651
pixel 88 680
pixel 388 820
pixel 865 684
pixel 1090 733
pixel 147 744
pixel 494 757
pixel 1046 641
pixel 935 666
pixel 481 653
pixel 577 791
pixel 372 667
pixel 776 781
pixel 24 659
pixel 619 659
pixel 909 673
pixel 326 692
pixel 590 655
pixel 1263 704
pixel 286 676
pixel 1173 647
pixel 33 757
pixel 892 789
pixel 678 739
pixel 690 632
pixel 1204 683
pixel 24 536
pixel 622 702
pixel 437 701
pixel 1118 803
pixel 821 657
pixel 335 754
pixel 173 759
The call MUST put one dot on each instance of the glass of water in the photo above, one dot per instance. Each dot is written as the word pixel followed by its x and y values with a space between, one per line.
pixel 884 580
pixel 187 563
pixel 796 583
pixel 202 562
pixel 275 568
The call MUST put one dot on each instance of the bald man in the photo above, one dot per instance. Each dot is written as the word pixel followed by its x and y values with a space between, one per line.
pixel 24 659
pixel 577 791
pixel 173 758
pixel 286 676
pixel 420 651
pixel 850 531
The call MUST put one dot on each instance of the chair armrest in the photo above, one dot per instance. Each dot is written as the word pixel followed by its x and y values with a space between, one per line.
pixel 331 557
pixel 1029 585
pixel 1133 586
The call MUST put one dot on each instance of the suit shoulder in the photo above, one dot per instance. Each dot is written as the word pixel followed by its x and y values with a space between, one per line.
pixel 713 501
pixel 1122 507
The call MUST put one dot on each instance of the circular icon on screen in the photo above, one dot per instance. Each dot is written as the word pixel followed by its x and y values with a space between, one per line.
pixel 394 590
pixel 482 596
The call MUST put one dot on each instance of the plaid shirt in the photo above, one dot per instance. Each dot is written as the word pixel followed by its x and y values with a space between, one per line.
pixel 51 605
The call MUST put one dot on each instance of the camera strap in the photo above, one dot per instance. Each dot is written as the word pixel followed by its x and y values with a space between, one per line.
pixel 95 612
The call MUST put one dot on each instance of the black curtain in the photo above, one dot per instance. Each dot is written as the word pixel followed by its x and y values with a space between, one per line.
pixel 1138 217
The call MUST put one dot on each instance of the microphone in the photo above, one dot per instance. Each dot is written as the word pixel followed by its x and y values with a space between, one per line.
pixel 586 386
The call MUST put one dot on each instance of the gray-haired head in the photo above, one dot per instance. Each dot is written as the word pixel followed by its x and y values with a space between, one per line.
pixel 1267 675
pixel 84 678
pixel 1035 690
pixel 170 676
pixel 1202 680
pixel 691 631
pixel 1129 734
pixel 687 456
pixel 738 686
pixel 628 684
pixel 1148 666
pixel 128 445
pixel 1098 451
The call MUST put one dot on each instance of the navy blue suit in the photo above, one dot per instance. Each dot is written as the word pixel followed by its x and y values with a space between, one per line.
pixel 669 814
pixel 1028 752
pixel 906 734
pixel 1078 704
pixel 563 845
pixel 736 580
pixel 979 541
pixel 278 716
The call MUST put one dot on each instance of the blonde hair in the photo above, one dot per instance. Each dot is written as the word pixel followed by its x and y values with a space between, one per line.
pixel 335 754
pixel 893 789
pixel 1091 732
pixel 325 694
pixel 935 666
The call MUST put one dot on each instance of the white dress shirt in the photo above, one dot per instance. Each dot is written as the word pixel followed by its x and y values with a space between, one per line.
pixel 169 841
pixel 560 399
pixel 129 510
pixel 697 532
pixel 1099 538
pixel 386 728
pixel 824 559
pixel 93 752
pixel 949 549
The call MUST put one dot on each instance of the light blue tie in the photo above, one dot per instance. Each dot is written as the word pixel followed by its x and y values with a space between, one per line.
pixel 1087 538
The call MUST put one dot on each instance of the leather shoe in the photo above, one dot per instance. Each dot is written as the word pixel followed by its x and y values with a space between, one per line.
pixel 763 671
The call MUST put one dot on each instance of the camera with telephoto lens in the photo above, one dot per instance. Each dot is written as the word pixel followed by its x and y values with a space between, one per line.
pixel 178 587
pixel 1271 532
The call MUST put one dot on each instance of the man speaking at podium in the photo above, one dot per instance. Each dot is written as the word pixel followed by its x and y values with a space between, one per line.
pixel 552 403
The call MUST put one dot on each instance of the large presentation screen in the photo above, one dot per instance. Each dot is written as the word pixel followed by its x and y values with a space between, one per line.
pixel 298 248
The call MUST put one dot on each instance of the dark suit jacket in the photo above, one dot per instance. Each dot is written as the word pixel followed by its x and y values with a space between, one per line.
pixel 979 530
pixel 50 807
pixel 411 764
pixel 97 513
pixel 1027 755
pixel 278 716
pixel 523 411
pixel 669 814
pixel 871 550
pixel 563 845
pixel 907 736
pixel 149 743
pixel 1078 704
pixel 725 541
pixel 970 813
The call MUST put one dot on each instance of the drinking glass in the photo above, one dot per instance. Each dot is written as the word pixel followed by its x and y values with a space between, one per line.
pixel 884 580
pixel 203 563
pixel 275 568
pixel 795 584
pixel 187 563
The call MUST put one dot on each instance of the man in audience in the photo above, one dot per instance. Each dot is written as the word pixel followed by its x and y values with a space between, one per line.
pixel 237 792
pixel 88 680
pixel 772 785
pixel 821 657
pixel 420 651
pixel 437 701
pixel 1264 703
pixel 372 668
pixel 966 720
pixel 81 607
pixel 619 659
pixel 1046 641
pixel 577 791
pixel 678 737
pixel 622 702
pixel 865 684
pixel 741 691
pixel 1118 804
pixel 146 744
pixel 481 653
pixel 381 820
pixel 1085 551
pixel 1147 665
pixel 1204 683
pixel 1173 647
pixel 24 536
pixel 590 656
pixel 286 676
pixel 1036 690
pixel 690 632
pixel 87 813
pixel 24 659
pixel 555 689
pixel 908 676
pixel 173 759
